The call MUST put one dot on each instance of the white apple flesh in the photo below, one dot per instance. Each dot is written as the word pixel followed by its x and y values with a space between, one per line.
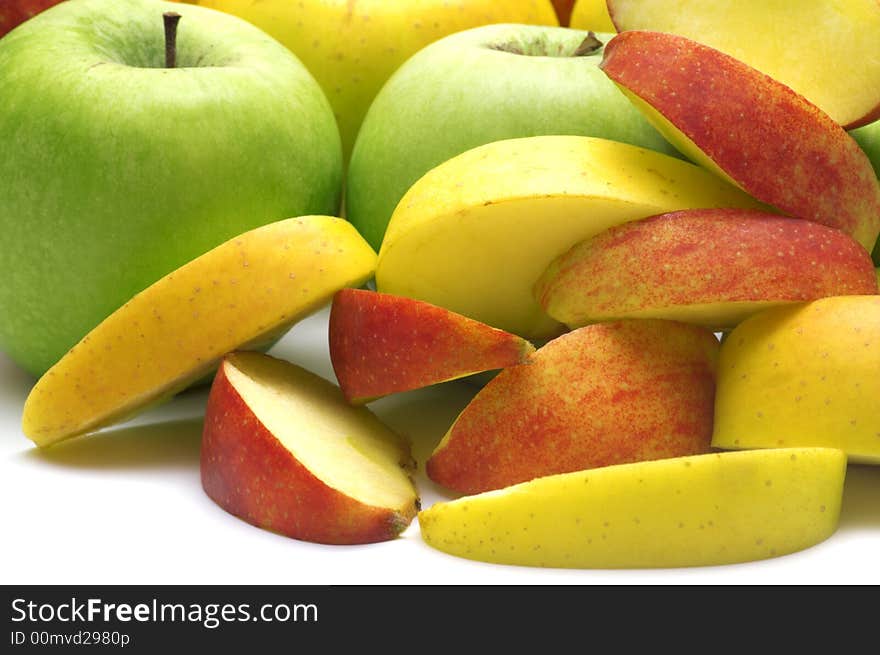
pixel 283 450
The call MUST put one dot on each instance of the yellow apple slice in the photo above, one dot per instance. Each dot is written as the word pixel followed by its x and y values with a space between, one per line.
pixel 703 510
pixel 783 39
pixel 475 233
pixel 803 375
pixel 283 450
pixel 244 293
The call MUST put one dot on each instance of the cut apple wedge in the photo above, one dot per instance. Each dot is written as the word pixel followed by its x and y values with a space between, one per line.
pixel 475 233
pixel 283 450
pixel 804 375
pixel 244 293
pixel 753 131
pixel 600 395
pixel 711 267
pixel 713 509
pixel 382 344
pixel 783 39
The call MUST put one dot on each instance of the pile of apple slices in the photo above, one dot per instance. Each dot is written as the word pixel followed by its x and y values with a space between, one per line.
pixel 597 451
pixel 281 447
pixel 602 446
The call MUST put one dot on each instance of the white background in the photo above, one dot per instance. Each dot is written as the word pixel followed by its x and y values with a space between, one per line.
pixel 125 507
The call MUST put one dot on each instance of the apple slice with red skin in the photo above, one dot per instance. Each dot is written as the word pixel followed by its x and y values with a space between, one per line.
pixel 782 39
pixel 382 344
pixel 749 128
pixel 283 450
pixel 604 394
pixel 712 267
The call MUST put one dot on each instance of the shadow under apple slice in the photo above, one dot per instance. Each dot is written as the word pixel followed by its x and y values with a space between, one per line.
pixel 168 445
pixel 860 492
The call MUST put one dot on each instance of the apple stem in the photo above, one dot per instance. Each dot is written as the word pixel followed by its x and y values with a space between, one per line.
pixel 171 19
pixel 589 45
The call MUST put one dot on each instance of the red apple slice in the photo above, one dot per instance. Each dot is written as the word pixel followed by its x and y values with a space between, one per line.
pixel 283 450
pixel 750 129
pixel 789 41
pixel 604 394
pixel 712 267
pixel 382 344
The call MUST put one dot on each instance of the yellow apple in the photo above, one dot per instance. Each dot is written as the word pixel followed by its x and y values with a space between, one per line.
pixel 703 510
pixel 245 292
pixel 353 47
pixel 591 15
pixel 474 234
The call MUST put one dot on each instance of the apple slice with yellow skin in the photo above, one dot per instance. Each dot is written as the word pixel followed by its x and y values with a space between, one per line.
pixel 244 293
pixel 704 510
pixel 283 450
pixel 474 233
pixel 600 395
pixel 712 267
pixel 804 375
pixel 382 344
pixel 782 38
pixel 754 131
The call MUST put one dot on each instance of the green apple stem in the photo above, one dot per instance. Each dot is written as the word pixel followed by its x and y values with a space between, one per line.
pixel 171 19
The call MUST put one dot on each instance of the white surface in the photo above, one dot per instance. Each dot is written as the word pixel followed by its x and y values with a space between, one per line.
pixel 126 507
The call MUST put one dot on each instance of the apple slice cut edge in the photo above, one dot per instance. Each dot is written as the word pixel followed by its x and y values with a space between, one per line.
pixel 283 450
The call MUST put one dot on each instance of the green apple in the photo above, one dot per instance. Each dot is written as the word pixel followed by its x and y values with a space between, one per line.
pixel 352 48
pixel 868 137
pixel 15 12
pixel 482 85
pixel 117 170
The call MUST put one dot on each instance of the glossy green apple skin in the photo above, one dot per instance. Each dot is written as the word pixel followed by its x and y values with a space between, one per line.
pixel 868 137
pixel 116 171
pixel 461 92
